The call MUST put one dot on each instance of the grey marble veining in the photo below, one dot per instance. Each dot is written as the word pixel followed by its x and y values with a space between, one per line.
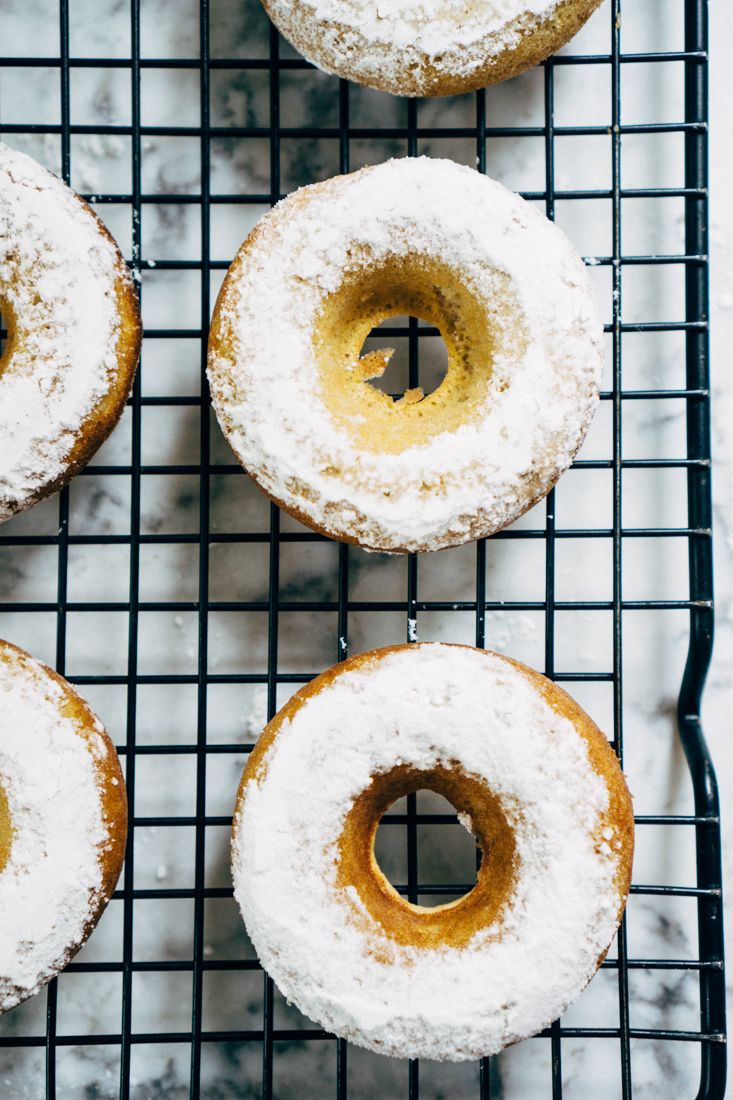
pixel 654 642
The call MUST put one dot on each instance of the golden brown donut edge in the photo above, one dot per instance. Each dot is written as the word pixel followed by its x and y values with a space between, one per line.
pixel 454 923
pixel 222 346
pixel 537 40
pixel 112 791
pixel 103 418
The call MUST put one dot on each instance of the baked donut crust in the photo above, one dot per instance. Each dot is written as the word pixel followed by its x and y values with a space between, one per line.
pixel 452 924
pixel 26 966
pixel 417 48
pixel 393 936
pixel 71 309
pixel 512 301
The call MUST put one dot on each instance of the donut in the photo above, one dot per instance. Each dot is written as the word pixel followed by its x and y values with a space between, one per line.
pixel 428 47
pixel 531 776
pixel 63 823
pixel 512 301
pixel 71 311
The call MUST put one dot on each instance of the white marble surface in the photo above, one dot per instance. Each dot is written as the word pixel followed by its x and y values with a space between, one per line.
pixel 654 642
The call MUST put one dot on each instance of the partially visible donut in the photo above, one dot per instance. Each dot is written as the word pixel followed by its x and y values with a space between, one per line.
pixel 63 823
pixel 428 47
pixel 426 237
pixel 69 304
pixel 533 778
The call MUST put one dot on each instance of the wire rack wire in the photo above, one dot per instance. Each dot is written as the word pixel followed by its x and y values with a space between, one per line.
pixel 268 1038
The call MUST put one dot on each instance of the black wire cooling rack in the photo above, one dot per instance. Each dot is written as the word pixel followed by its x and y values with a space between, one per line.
pixel 269 1039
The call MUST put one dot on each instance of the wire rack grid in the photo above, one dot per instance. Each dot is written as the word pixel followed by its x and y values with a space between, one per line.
pixel 268 1038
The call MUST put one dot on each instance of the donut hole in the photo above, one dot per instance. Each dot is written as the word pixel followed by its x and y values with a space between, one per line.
pixel 447 853
pixel 446 922
pixel 478 334
pixel 401 379
pixel 6 830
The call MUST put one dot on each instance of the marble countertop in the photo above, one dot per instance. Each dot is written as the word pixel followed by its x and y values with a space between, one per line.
pixel 654 642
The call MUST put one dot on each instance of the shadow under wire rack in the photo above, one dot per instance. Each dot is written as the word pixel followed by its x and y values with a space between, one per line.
pixel 268 1040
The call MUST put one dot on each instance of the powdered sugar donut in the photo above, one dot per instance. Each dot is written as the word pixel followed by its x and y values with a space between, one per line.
pixel 428 47
pixel 531 776
pixel 73 323
pixel 426 237
pixel 63 823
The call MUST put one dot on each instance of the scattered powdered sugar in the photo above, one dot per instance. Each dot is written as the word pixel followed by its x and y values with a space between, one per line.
pixel 459 484
pixel 58 277
pixel 390 42
pixel 424 706
pixel 53 873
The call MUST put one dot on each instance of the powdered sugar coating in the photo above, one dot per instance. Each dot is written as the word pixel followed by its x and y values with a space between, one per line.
pixel 458 485
pixel 51 885
pixel 425 706
pixel 59 279
pixel 420 47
